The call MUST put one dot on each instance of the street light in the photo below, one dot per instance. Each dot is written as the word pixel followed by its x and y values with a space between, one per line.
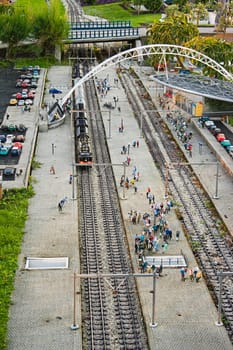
pixel 215 196
pixel 153 324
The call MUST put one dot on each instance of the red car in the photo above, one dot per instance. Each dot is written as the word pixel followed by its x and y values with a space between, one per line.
pixel 31 95
pixel 18 95
pixel 220 137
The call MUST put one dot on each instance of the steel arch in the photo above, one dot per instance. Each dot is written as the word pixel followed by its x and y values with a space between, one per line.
pixel 155 49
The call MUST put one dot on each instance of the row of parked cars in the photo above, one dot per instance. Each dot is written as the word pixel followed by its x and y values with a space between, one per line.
pixel 219 135
pixel 11 144
pixel 28 81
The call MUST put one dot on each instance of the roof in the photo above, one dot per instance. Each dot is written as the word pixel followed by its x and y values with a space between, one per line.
pixel 197 84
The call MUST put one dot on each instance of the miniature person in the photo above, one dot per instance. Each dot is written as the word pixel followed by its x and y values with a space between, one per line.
pixel 52 170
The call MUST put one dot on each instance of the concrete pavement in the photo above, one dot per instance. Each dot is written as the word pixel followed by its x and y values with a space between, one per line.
pixel 42 303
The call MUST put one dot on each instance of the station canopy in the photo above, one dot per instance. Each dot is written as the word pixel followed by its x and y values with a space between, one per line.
pixel 197 84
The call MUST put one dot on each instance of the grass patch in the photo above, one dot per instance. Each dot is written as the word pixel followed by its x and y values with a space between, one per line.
pixel 116 12
pixel 231 121
pixel 35 164
pixel 13 214
pixel 45 62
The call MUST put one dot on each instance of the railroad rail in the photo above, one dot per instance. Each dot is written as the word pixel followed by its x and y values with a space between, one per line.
pixel 111 316
pixel 210 247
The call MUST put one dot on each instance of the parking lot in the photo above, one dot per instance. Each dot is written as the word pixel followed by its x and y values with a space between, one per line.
pixel 8 78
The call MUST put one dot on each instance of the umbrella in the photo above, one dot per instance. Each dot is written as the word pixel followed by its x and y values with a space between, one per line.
pixel 54 91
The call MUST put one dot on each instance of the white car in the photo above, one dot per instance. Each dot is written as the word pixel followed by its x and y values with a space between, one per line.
pixel 209 123
pixel 28 101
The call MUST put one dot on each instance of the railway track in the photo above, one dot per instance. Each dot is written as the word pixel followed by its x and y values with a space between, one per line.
pixel 112 317
pixel 210 247
pixel 74 10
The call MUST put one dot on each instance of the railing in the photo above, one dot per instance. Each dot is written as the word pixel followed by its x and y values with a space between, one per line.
pixel 100 25
pixel 100 34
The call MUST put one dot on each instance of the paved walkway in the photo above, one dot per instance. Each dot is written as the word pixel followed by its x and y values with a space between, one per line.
pixel 42 303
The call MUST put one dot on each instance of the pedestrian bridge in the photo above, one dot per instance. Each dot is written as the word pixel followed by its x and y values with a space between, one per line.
pixel 101 31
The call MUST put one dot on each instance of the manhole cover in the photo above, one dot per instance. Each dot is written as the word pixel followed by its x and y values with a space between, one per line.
pixel 46 263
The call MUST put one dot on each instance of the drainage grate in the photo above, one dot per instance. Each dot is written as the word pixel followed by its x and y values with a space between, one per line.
pixel 167 260
pixel 46 263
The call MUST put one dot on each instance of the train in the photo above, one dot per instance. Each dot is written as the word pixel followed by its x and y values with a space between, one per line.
pixel 82 138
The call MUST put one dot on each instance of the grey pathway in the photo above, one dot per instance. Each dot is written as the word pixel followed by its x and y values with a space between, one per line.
pixel 42 305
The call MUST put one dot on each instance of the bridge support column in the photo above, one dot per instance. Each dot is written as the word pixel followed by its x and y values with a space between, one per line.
pixel 58 52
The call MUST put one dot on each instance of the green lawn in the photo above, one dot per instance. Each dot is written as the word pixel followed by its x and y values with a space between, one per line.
pixel 13 214
pixel 116 12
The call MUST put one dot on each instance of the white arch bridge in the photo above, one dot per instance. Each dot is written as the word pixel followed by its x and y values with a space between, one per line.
pixel 192 83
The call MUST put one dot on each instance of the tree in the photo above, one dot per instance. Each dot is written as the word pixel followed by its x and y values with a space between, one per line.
pixel 50 26
pixel 153 5
pixel 175 30
pixel 198 12
pixel 15 27
pixel 137 4
pixel 219 50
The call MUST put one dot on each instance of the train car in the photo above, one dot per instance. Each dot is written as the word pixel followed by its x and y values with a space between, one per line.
pixel 83 148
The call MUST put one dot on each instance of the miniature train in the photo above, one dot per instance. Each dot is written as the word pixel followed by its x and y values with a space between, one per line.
pixel 83 149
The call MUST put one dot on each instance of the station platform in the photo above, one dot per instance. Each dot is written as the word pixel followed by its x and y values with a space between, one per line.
pixel 42 305
pixel 185 312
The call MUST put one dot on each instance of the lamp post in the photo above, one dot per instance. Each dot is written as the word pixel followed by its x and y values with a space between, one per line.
pixel 109 125
pixel 201 163
pixel 216 196
pixel 153 324
pixel 74 326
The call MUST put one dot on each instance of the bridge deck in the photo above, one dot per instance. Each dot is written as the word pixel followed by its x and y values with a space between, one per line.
pixel 100 25
pixel 104 35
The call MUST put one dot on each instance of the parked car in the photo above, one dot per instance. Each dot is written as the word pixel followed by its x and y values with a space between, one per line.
pixel 226 143
pixel 2 138
pixel 209 123
pixel 212 128
pixel 4 151
pixel 21 102
pixel 18 82
pixel 19 138
pixel 28 101
pixel 217 131
pixel 18 95
pixel 8 173
pixel 31 95
pixel 15 151
pixel 229 148
pixel 13 102
pixel 33 85
pixel 25 85
pixel 24 94
pixel 203 119
pixel 220 137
